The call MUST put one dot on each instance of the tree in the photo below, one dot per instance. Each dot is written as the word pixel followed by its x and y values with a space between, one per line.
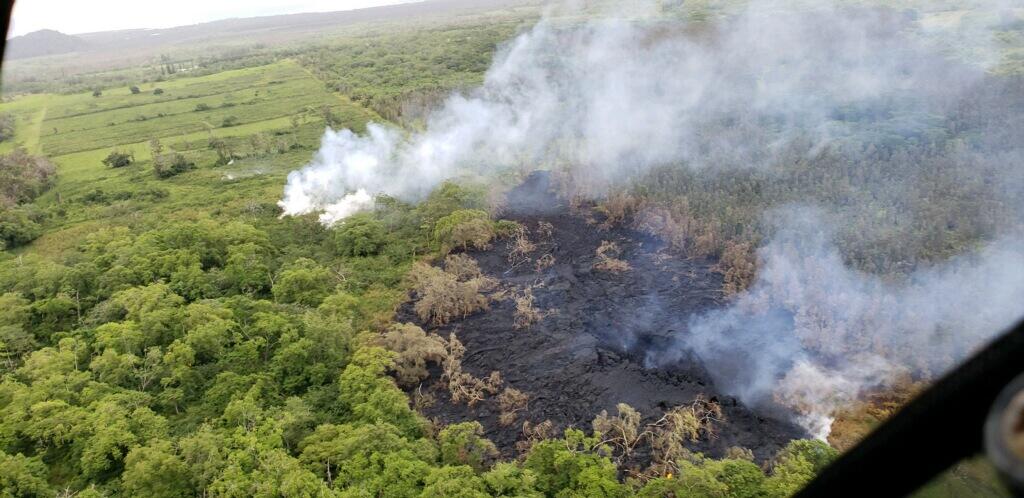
pixel 796 464
pixel 303 282
pixel 464 386
pixel 454 482
pixel 110 430
pixel 743 477
pixel 623 430
pixel 414 348
pixel 155 308
pixel 372 457
pixel 372 396
pixel 204 452
pixel 155 470
pixel 172 164
pixel 225 153
pixel 508 479
pixel 465 228
pixel 54 314
pixel 574 466
pixel 247 269
pixel 23 477
pixel 442 297
pixel 738 266
pixel 15 342
pixel 23 177
pixel 511 401
pixel 118 159
pixel 679 426
pixel 210 328
pixel 280 474
pixel 360 235
pixel 691 482
pixel 464 444
pixel 19 226
pixel 113 368
pixel 450 197
pixel 608 258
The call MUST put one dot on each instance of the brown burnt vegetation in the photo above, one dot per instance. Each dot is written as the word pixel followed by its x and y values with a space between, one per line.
pixel 608 258
pixel 526 313
pixel 855 421
pixel 463 386
pixel 413 348
pixel 444 295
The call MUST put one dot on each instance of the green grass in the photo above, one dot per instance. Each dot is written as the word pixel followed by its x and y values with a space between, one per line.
pixel 975 477
pixel 264 101
pixel 121 96
pixel 29 113
pixel 279 91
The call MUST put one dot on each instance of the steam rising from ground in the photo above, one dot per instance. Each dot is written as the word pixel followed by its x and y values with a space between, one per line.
pixel 610 99
pixel 616 97
pixel 811 334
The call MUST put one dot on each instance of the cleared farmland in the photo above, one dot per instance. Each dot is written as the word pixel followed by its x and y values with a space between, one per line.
pixel 250 111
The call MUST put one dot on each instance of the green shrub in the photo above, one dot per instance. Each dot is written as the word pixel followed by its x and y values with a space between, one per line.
pixel 6 126
pixel 118 159
pixel 303 282
pixel 168 165
pixel 507 228
pixel 23 476
pixel 576 465
pixel 360 235
pixel 19 226
pixel 23 177
pixel 465 228
pixel 450 197
pixel 464 444
pixel 247 270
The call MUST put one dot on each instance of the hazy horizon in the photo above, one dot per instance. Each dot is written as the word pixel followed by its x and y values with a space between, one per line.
pixel 75 18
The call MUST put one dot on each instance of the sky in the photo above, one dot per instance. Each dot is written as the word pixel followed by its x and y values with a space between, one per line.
pixel 86 16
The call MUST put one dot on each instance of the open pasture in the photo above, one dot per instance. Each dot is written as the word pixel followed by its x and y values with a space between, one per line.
pixel 269 117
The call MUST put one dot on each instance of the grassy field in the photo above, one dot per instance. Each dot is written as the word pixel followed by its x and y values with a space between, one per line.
pixel 278 102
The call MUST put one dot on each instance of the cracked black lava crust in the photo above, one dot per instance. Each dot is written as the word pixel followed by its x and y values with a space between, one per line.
pixel 588 353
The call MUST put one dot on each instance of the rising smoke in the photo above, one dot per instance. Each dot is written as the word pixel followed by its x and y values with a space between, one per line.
pixel 615 96
pixel 811 333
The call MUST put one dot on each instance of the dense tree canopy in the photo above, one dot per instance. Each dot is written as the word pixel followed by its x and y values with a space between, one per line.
pixel 206 358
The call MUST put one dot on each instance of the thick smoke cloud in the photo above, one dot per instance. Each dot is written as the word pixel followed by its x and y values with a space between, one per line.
pixel 613 98
pixel 610 99
pixel 811 333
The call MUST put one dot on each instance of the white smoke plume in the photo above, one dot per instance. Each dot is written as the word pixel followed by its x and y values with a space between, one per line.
pixel 812 334
pixel 614 96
